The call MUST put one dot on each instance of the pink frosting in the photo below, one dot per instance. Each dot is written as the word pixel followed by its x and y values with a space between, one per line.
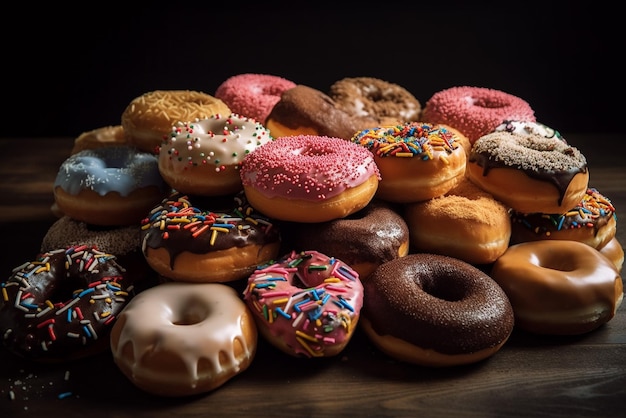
pixel 309 300
pixel 307 167
pixel 252 95
pixel 475 111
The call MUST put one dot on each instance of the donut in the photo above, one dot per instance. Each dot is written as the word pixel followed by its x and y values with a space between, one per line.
pixel 203 157
pixel 306 304
pixel 303 110
pixel 475 111
pixel 363 240
pixel 559 287
pixel 613 251
pixel 185 242
pixel 183 339
pixel 466 223
pixel 528 127
pixel 106 136
pixel 61 306
pixel 436 311
pixel 123 241
pixel 592 221
pixel 529 173
pixel 417 161
pixel 109 186
pixel 388 103
pixel 253 95
pixel 149 117
pixel 307 178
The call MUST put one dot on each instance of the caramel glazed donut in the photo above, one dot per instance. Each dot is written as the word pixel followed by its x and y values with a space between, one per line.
pixel 182 339
pixel 183 242
pixel 62 305
pixel 559 287
pixel 435 310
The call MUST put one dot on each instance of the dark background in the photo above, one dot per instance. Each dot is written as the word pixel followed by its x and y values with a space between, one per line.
pixel 68 70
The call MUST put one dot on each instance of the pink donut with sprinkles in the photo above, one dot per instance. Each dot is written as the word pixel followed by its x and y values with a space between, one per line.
pixel 475 111
pixel 308 178
pixel 253 95
pixel 307 304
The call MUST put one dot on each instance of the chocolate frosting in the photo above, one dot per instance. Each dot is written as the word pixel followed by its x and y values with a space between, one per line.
pixel 437 302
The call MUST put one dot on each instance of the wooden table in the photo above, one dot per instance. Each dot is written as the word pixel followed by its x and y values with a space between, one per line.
pixel 530 376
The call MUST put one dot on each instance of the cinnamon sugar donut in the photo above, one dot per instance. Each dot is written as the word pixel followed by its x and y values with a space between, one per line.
pixel 388 103
pixel 559 287
pixel 434 310
pixel 148 118
pixel 529 173
pixel 253 95
pixel 303 110
pixel 182 339
pixel 466 223
pixel 475 111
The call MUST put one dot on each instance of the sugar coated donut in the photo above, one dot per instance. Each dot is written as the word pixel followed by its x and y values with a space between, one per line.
pixel 527 128
pixel 466 223
pixel 62 305
pixel 182 339
pixel 203 157
pixel 614 252
pixel 303 110
pixel 417 161
pixel 364 240
pixel 185 242
pixel 435 310
pixel 149 117
pixel 109 186
pixel 307 304
pixel 559 287
pixel 371 97
pixel 475 111
pixel 253 95
pixel 106 136
pixel 592 221
pixel 529 173
pixel 308 178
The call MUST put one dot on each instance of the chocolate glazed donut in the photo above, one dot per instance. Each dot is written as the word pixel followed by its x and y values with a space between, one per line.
pixel 435 310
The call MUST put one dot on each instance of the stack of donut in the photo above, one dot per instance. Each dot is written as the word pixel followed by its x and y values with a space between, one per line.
pixel 307 213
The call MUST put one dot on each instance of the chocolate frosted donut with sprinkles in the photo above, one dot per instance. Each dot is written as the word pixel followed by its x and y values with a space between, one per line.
pixel 62 305
pixel 307 304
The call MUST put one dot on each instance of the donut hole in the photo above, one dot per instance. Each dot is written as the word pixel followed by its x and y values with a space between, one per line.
pixel 488 103
pixel 558 263
pixel 444 289
pixel 195 312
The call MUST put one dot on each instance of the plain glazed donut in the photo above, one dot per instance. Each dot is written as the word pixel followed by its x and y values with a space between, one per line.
pixel 113 186
pixel 417 161
pixel 182 339
pixel 309 178
pixel 149 118
pixel 529 173
pixel 306 304
pixel 475 111
pixel 363 240
pixel 106 136
pixel 253 95
pixel 203 157
pixel 62 305
pixel 185 242
pixel 592 221
pixel 559 287
pixel 303 110
pixel 434 310
pixel 466 223
pixel 388 103
pixel 614 252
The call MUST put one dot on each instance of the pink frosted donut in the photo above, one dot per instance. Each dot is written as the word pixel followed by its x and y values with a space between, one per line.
pixel 253 95
pixel 308 178
pixel 475 111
